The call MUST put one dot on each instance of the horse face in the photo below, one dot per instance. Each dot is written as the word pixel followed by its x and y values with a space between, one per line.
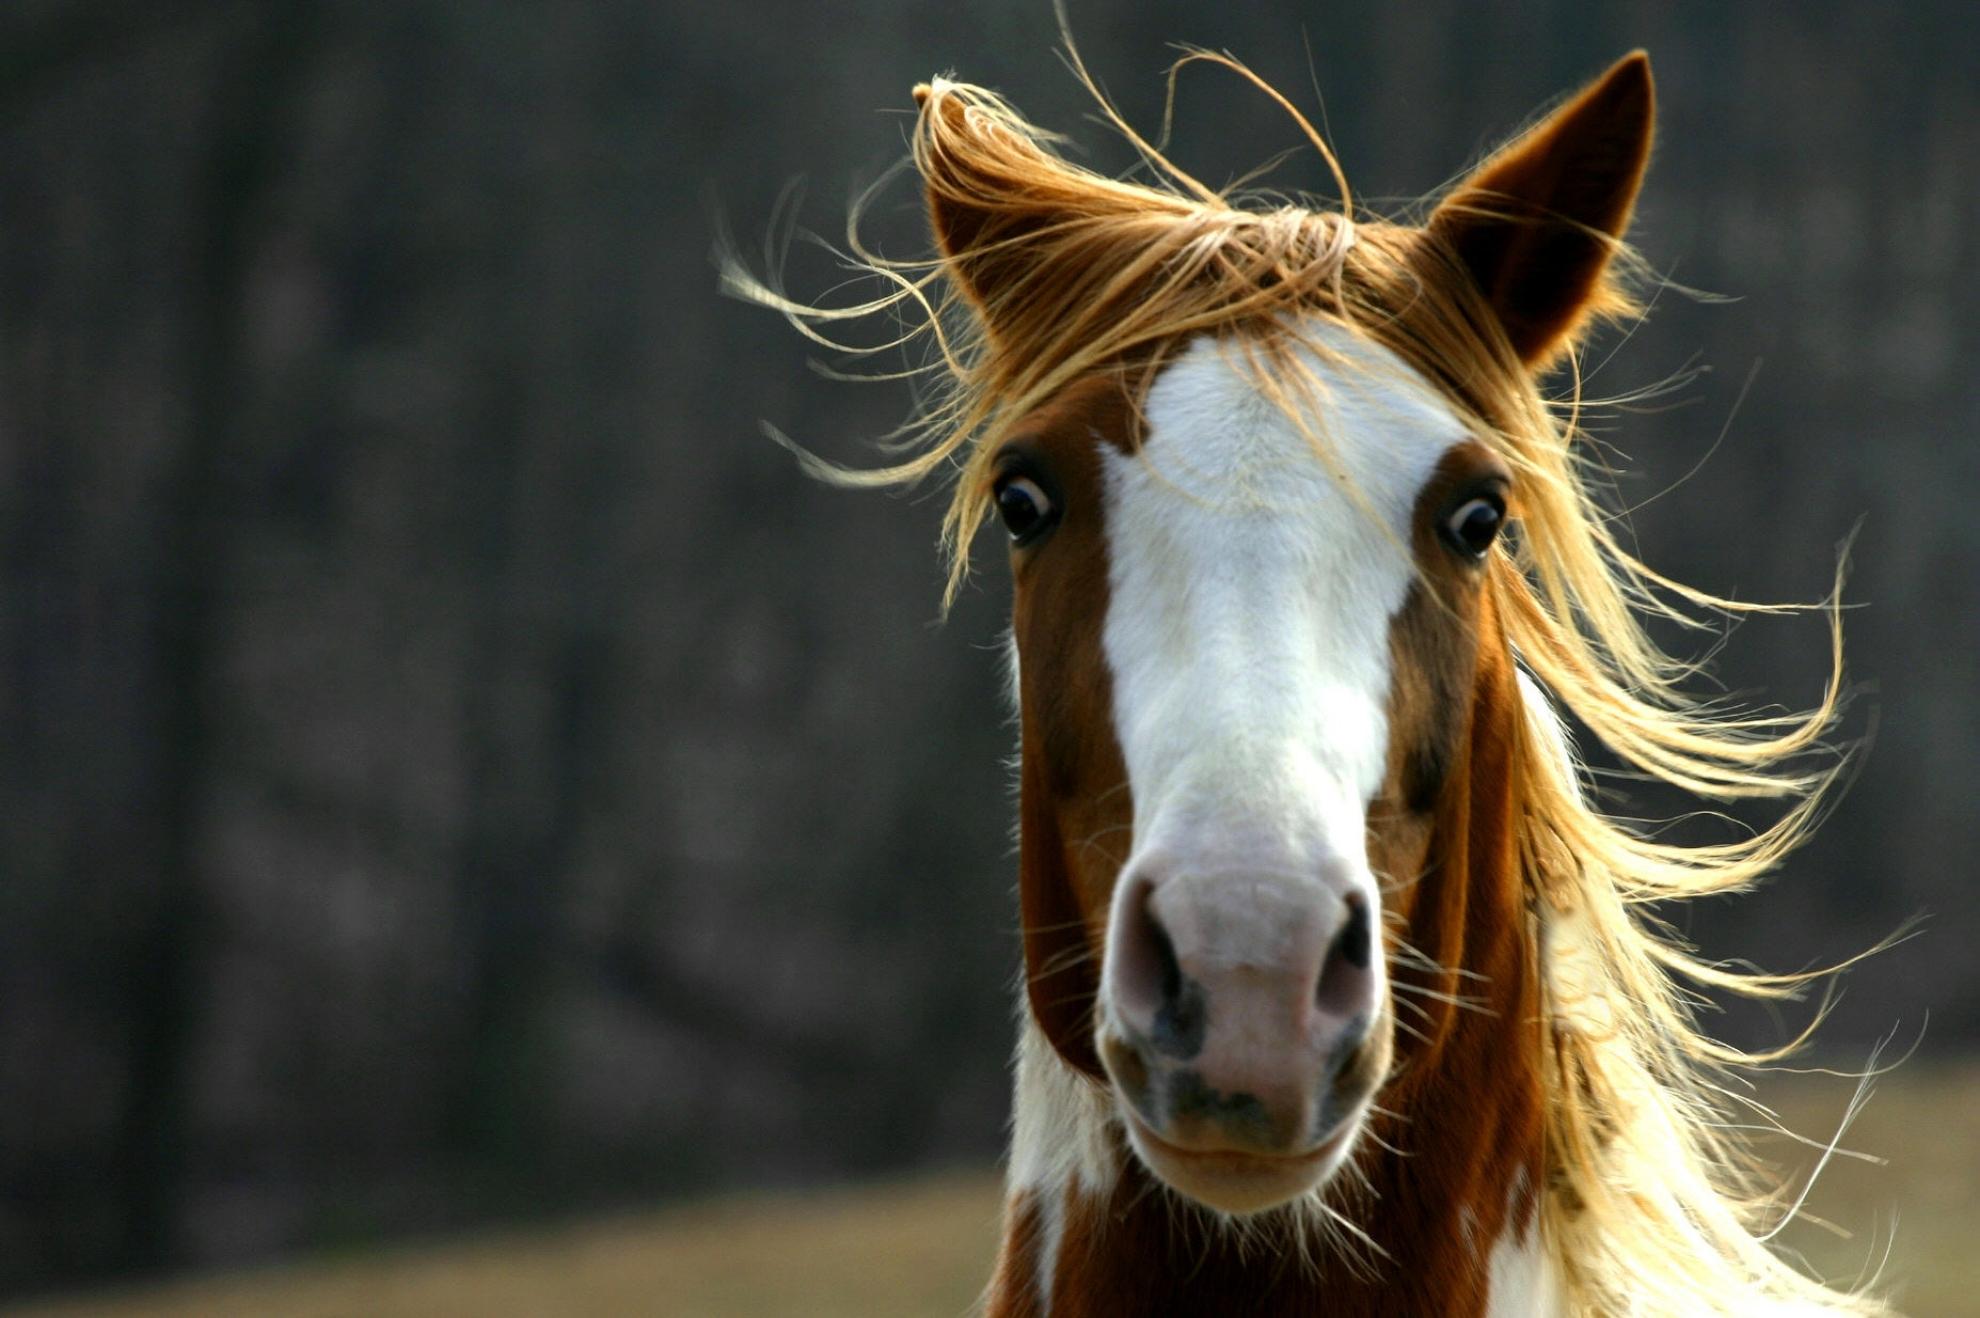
pixel 1243 667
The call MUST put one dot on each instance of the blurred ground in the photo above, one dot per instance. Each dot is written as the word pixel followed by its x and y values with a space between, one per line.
pixel 923 1248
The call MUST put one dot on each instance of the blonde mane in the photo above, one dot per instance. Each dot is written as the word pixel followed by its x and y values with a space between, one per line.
pixel 1654 1203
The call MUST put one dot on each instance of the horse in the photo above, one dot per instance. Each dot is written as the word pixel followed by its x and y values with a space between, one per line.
pixel 1340 996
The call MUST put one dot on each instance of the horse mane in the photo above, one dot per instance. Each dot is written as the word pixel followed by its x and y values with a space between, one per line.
pixel 1655 1202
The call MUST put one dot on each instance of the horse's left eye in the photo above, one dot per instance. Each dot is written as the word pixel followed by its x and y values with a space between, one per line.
pixel 1025 508
pixel 1474 524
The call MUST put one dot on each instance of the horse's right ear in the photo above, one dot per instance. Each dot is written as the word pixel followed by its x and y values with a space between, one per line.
pixel 990 186
pixel 960 205
pixel 984 193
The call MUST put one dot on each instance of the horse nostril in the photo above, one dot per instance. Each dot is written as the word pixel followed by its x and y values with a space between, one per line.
pixel 1165 954
pixel 1353 942
pixel 1344 976
pixel 1180 1015
pixel 1161 1006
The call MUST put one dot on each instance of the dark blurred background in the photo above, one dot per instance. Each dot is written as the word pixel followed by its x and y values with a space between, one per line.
pixel 454 770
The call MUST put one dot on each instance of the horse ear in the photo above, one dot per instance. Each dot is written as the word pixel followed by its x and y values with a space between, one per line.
pixel 1537 223
pixel 991 184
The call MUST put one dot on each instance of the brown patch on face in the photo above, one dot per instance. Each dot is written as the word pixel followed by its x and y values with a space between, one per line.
pixel 1433 653
pixel 1469 1090
pixel 1470 1093
pixel 1075 810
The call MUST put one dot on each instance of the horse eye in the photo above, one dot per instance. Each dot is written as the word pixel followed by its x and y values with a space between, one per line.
pixel 1025 508
pixel 1474 524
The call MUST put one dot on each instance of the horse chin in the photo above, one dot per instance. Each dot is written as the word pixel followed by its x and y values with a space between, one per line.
pixel 1236 1182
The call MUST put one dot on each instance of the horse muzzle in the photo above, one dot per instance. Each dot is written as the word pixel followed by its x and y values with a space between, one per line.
pixel 1242 1028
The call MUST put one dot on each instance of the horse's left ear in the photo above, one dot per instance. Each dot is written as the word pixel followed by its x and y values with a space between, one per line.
pixel 1537 223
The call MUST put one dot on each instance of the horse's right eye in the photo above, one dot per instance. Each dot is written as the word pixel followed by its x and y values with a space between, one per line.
pixel 1025 508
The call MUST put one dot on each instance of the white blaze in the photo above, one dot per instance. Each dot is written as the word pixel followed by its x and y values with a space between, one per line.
pixel 1252 592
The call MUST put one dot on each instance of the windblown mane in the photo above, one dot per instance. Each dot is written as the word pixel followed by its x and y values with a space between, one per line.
pixel 1654 1203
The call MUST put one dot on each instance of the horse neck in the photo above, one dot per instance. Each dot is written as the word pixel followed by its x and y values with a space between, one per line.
pixel 1453 1161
